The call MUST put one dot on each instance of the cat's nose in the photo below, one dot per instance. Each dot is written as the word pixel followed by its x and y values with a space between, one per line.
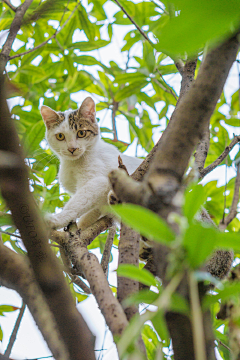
pixel 71 150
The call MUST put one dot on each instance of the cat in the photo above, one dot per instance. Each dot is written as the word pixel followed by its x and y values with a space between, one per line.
pixel 85 162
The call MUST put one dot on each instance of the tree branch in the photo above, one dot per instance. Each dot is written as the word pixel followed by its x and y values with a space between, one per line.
pixel 15 190
pixel 15 330
pixel 202 150
pixel 16 273
pixel 218 161
pixel 128 249
pixel 15 27
pixel 7 2
pixel 107 249
pixel 233 211
pixel 75 244
pixel 169 164
pixel 46 41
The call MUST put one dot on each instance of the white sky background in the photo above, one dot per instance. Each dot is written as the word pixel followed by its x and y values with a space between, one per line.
pixel 29 343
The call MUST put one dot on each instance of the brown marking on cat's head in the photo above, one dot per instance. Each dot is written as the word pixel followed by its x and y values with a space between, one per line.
pixel 85 117
pixel 50 117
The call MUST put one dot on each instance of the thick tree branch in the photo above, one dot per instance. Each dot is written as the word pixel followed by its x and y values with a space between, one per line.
pixel 16 273
pixel 7 2
pixel 233 211
pixel 75 244
pixel 220 159
pixel 15 331
pixel 15 190
pixel 15 27
pixel 169 164
pixel 128 254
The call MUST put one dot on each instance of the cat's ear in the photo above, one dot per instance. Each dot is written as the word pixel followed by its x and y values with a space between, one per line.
pixel 50 117
pixel 88 110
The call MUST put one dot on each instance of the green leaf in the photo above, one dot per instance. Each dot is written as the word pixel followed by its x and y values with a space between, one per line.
pixel 223 295
pixel 160 326
pixel 34 137
pixel 228 240
pixel 145 222
pixel 88 45
pixel 7 308
pixel 199 242
pixel 181 34
pixel 127 91
pixel 6 220
pixel 144 296
pixel 1 334
pixel 50 175
pixel 194 198
pixel 132 272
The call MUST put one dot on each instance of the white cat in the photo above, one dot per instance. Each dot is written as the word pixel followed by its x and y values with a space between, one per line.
pixel 85 162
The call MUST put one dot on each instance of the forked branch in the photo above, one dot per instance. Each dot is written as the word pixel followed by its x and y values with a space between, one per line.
pixel 220 159
pixel 233 210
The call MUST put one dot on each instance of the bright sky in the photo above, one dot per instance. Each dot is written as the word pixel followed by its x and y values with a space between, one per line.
pixel 29 343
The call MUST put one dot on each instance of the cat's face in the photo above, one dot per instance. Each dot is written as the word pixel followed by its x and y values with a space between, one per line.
pixel 72 133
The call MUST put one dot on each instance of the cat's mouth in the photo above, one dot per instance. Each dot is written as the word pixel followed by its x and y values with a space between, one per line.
pixel 72 156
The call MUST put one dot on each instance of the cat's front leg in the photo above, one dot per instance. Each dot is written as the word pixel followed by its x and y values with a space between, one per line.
pixel 88 197
pixel 57 221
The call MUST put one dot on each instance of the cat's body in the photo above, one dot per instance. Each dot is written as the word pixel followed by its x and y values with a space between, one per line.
pixel 85 162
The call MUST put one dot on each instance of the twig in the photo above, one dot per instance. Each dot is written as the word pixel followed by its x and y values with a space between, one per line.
pixel 14 28
pixel 7 2
pixel 133 22
pixel 77 281
pixel 8 233
pixel 107 249
pixel 218 161
pixel 233 211
pixel 46 41
pixel 224 345
pixel 169 88
pixel 15 330
pixel 114 109
pixel 197 319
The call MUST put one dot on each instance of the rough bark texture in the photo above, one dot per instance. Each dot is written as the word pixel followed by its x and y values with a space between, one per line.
pixel 16 273
pixel 107 249
pixel 128 254
pixel 75 244
pixel 15 190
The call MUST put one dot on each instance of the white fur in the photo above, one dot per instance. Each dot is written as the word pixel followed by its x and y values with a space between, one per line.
pixel 84 174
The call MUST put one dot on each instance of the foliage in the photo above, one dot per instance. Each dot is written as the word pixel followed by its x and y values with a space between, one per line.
pixel 72 63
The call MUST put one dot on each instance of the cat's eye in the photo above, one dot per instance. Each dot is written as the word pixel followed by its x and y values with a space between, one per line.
pixel 81 133
pixel 60 136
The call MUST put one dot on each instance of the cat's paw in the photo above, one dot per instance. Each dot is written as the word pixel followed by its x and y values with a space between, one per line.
pixel 112 198
pixel 51 221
